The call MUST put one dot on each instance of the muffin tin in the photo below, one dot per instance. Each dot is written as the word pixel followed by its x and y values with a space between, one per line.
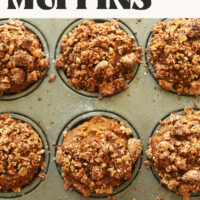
pixel 53 106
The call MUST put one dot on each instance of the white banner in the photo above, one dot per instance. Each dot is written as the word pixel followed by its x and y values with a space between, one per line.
pixel 99 8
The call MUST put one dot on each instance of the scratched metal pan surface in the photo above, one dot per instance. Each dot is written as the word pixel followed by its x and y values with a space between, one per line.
pixel 50 107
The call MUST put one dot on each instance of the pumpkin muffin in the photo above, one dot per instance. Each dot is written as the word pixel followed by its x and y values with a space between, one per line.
pixel 22 59
pixel 175 152
pixel 21 154
pixel 98 57
pixel 175 53
pixel 98 155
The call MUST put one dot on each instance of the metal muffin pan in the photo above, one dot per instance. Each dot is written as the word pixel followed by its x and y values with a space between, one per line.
pixel 53 105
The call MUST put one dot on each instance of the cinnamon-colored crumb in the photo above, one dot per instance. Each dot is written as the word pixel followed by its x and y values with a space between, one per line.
pixel 54 144
pixel 195 105
pixel 160 198
pixel 42 175
pixel 52 78
pixel 158 187
pixel 111 198
pixel 147 163
pixel 52 122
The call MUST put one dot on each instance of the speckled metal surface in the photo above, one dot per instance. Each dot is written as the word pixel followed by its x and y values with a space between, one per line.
pixel 53 105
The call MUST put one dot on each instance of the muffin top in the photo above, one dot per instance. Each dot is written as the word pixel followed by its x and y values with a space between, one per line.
pixel 174 152
pixel 175 53
pixel 21 153
pixel 21 58
pixel 98 57
pixel 98 155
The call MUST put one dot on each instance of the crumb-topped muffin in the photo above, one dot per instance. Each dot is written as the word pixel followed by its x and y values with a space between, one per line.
pixel 98 57
pixel 175 152
pixel 98 155
pixel 175 53
pixel 21 154
pixel 22 59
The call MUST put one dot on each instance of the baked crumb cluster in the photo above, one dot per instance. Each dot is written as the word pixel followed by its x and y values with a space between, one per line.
pixel 98 155
pixel 175 52
pixel 22 60
pixel 98 57
pixel 175 152
pixel 21 154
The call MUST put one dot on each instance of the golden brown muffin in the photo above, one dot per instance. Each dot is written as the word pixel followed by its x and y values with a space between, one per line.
pixel 175 152
pixel 98 57
pixel 21 154
pixel 98 155
pixel 175 53
pixel 22 59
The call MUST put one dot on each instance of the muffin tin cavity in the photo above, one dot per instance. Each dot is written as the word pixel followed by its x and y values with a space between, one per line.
pixel 151 67
pixel 157 128
pixel 72 26
pixel 87 116
pixel 44 45
pixel 37 180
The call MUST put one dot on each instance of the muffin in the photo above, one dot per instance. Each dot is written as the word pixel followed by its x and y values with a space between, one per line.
pixel 175 152
pixel 98 57
pixel 175 53
pixel 21 154
pixel 22 59
pixel 98 155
